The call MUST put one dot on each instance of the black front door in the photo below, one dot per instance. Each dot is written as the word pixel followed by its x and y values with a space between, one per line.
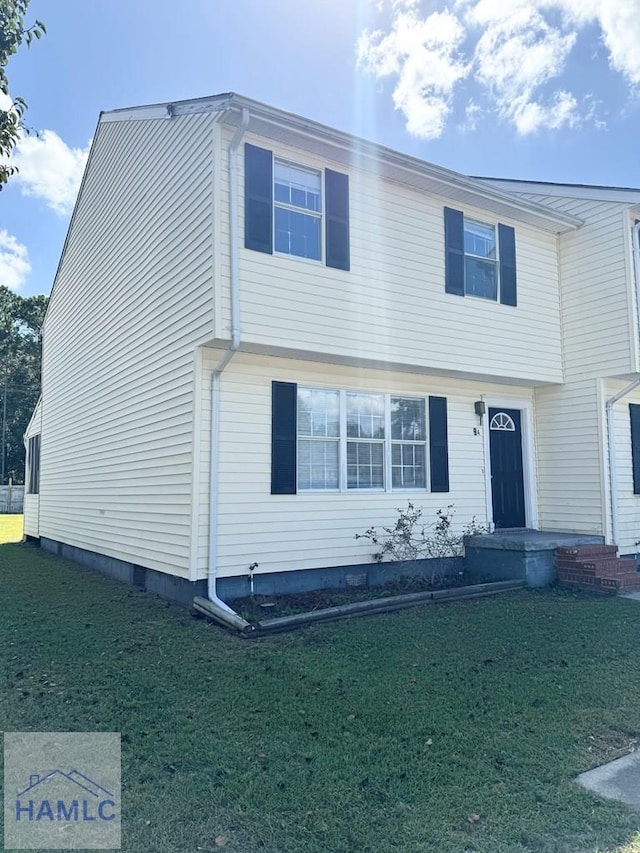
pixel 507 478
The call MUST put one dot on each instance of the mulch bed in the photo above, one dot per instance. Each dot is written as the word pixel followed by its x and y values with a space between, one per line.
pixel 257 607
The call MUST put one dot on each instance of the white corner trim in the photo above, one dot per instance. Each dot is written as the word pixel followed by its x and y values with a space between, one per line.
pixel 525 407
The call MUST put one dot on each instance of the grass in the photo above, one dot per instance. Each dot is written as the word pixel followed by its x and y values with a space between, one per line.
pixel 11 528
pixel 382 734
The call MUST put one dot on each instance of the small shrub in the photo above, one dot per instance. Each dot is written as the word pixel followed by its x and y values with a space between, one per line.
pixel 412 538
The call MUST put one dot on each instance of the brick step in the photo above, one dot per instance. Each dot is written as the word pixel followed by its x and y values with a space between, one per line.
pixel 597 567
pixel 581 552
pixel 609 585
pixel 630 580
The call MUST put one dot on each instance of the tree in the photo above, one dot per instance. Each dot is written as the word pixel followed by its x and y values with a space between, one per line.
pixel 21 321
pixel 13 33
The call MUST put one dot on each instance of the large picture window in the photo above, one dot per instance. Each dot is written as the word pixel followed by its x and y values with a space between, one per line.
pixel 327 440
pixel 349 440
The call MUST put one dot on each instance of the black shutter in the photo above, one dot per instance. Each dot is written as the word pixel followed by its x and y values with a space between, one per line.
pixel 438 444
pixel 258 199
pixel 454 251
pixel 634 413
pixel 337 219
pixel 284 402
pixel 507 244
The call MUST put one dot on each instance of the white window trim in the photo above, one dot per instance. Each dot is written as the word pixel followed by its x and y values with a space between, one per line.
pixel 317 214
pixel 495 261
pixel 388 443
pixel 525 407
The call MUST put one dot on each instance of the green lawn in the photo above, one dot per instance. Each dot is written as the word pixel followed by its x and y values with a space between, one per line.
pixel 11 528
pixel 383 734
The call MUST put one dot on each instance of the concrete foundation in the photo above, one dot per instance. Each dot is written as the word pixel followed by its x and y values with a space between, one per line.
pixel 182 591
pixel 526 555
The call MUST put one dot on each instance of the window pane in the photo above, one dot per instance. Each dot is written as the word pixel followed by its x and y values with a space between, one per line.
pixel 317 464
pixel 297 186
pixel 407 419
pixel 407 466
pixel 479 239
pixel 481 278
pixel 297 234
pixel 365 416
pixel 365 465
pixel 318 412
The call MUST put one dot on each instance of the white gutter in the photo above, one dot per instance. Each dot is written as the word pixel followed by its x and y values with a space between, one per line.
pixel 219 369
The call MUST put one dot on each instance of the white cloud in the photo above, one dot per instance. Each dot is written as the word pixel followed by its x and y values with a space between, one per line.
pixel 14 261
pixel 515 57
pixel 516 51
pixel 49 169
pixel 424 56
pixel 620 22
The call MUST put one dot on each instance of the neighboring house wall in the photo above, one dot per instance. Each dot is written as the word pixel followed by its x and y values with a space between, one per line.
pixel 597 278
pixel 132 299
pixel 317 529
pixel 392 306
pixel 600 340
pixel 570 474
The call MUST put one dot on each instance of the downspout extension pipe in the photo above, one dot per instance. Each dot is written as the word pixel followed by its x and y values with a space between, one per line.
pixel 224 612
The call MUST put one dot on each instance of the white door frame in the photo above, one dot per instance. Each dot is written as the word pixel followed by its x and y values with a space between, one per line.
pixel 528 455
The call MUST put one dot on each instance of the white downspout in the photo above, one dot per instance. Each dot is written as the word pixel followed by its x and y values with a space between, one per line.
pixel 636 270
pixel 224 361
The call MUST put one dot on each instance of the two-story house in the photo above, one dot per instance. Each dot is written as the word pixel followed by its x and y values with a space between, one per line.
pixel 265 335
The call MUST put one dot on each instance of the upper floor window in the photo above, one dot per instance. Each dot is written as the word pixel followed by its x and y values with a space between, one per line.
pixel 295 210
pixel 297 196
pixel 480 258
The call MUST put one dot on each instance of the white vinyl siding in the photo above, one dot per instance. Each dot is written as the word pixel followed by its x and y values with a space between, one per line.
pixel 316 529
pixel 392 306
pixel 597 281
pixel 628 503
pixel 570 475
pixel 132 300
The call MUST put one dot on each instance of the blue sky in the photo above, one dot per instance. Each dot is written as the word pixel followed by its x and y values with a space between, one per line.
pixel 546 90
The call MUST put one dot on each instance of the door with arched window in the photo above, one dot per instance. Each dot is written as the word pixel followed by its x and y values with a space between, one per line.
pixel 507 472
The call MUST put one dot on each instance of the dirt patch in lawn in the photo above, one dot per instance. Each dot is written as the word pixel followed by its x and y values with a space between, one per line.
pixel 257 607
